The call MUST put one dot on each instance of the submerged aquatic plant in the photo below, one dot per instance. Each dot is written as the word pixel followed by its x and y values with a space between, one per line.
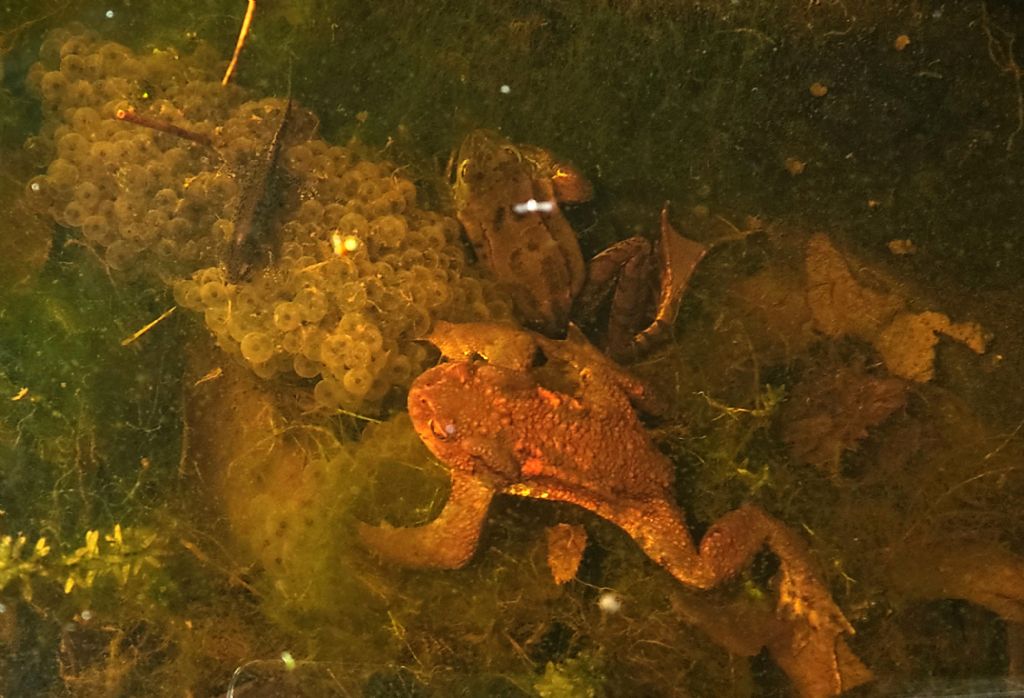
pixel 128 554
pixel 122 555
pixel 18 565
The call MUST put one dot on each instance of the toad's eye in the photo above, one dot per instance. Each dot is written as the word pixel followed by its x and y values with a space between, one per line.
pixel 463 169
pixel 512 152
pixel 442 432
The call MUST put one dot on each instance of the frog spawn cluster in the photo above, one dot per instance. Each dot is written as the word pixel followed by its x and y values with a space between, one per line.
pixel 360 270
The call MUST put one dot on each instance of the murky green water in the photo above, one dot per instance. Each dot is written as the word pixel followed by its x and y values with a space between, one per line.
pixel 179 502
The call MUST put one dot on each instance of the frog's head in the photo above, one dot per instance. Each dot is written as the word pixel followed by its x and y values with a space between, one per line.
pixel 440 407
pixel 484 160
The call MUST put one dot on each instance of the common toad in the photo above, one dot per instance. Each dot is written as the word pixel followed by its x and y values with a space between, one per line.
pixel 555 419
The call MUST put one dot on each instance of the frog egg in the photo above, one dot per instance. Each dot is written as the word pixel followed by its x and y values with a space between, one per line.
pixel 330 393
pixel 221 187
pixel 85 119
pixel 408 190
pixel 154 221
pixel 390 231
pixel 334 350
pixel 166 250
pixel 341 159
pixel 287 316
pixel 34 77
pixel 126 208
pixel 353 224
pixel 53 86
pixel 436 294
pixel 73 147
pixel 348 183
pixel 395 200
pixel 357 207
pixel 357 381
pixel 434 236
pixel 333 213
pixel 79 92
pixel 358 354
pixel 77 43
pixel 266 370
pixel 419 320
pixel 49 50
pixel 186 294
pixel 73 67
pixel 97 229
pixel 137 178
pixel 313 304
pixel 368 169
pixel 370 336
pixel 369 190
pixel 62 174
pixel 120 255
pixel 74 214
pixel 166 199
pixel 257 347
pixel 87 195
pixel 217 320
pixel 104 151
pixel 114 89
pixel 312 341
pixel 214 294
pixel 306 368
pixel 114 56
pixel 178 227
pixel 176 159
pixel 399 369
pixel 310 212
pixel 299 159
pixel 247 302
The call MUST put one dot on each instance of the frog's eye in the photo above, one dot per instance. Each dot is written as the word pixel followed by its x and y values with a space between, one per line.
pixel 441 432
pixel 513 152
pixel 463 171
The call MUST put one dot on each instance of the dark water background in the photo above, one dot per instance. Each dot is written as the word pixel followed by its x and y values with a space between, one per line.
pixel 714 106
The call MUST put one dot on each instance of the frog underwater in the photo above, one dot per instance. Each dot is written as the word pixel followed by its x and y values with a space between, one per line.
pixel 508 198
pixel 557 420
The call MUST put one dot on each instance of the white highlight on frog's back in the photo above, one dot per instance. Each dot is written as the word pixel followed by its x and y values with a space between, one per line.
pixel 534 206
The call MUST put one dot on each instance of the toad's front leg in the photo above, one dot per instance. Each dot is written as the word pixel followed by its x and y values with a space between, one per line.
pixel 448 541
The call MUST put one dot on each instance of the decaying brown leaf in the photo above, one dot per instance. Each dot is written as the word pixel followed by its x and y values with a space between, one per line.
pixel 843 306
pixel 832 409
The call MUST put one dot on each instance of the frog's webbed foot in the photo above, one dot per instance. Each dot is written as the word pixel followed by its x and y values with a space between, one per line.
pixel 734 539
pixel 808 642
pixel 678 257
pixel 448 541
pixel 817 665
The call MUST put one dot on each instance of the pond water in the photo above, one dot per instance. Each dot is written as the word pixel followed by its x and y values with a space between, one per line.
pixel 216 288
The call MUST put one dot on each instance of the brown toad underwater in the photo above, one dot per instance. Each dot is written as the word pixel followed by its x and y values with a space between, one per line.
pixel 565 428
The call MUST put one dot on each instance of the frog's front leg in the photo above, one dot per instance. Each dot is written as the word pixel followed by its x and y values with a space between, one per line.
pixel 448 541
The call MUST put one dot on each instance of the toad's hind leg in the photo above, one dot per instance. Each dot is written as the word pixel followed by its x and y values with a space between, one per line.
pixel 448 541
pixel 727 547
